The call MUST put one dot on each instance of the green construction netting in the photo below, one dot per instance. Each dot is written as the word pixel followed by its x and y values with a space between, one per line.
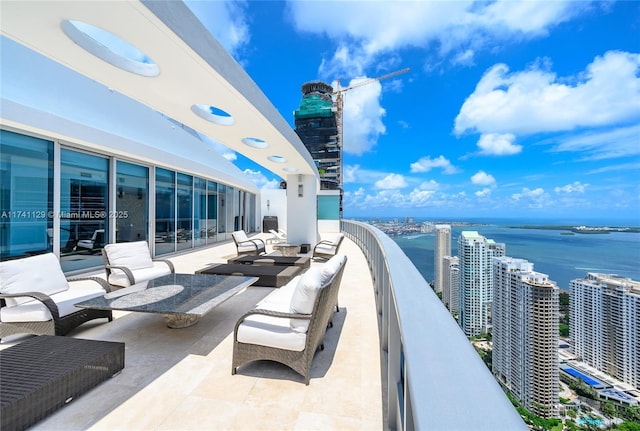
pixel 313 106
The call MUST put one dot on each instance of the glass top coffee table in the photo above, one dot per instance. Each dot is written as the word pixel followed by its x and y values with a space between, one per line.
pixel 181 298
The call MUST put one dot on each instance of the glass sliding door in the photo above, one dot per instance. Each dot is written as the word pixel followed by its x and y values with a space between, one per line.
pixel 165 211
pixel 83 209
pixel 222 212
pixel 232 220
pixel 26 195
pixel 132 202
pixel 184 231
pixel 199 212
pixel 212 212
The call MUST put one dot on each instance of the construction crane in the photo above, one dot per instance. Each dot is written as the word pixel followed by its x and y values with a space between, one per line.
pixel 338 92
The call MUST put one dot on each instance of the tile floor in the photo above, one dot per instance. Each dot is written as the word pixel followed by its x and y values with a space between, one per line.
pixel 180 379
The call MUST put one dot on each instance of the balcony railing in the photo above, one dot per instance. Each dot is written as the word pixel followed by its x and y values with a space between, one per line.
pixel 435 379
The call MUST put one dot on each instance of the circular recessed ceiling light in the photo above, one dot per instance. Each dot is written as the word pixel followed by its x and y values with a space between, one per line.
pixel 290 169
pixel 213 114
pixel 110 48
pixel 255 142
pixel 277 159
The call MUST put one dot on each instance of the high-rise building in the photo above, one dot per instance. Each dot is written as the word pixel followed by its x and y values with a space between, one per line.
pixel 605 324
pixel 317 128
pixel 451 283
pixel 475 254
pixel 525 335
pixel 442 248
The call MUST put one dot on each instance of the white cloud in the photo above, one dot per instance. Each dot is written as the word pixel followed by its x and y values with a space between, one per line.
pixel 362 117
pixel 575 187
pixel 364 31
pixel 482 193
pixel 620 142
pixel 226 20
pixel 535 194
pixel 425 164
pixel 429 185
pixel 391 182
pixel 481 178
pixel 464 58
pixel 497 144
pixel 260 180
pixel 536 100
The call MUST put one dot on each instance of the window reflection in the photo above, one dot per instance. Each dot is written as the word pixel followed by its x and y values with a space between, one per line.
pixel 83 209
pixel 132 202
pixel 165 211
pixel 185 212
pixel 26 195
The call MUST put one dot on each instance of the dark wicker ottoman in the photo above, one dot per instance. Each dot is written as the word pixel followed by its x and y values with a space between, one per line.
pixel 268 275
pixel 301 261
pixel 42 374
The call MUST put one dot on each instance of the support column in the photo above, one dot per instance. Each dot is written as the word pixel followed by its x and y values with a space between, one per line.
pixel 302 213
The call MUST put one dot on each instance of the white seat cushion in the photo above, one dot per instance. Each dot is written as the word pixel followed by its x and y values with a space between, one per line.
pixel 133 255
pixel 158 269
pixel 35 311
pixel 304 297
pixel 248 247
pixel 41 273
pixel 281 296
pixel 330 267
pixel 271 332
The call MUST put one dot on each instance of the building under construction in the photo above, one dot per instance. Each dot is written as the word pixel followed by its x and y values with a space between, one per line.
pixel 317 127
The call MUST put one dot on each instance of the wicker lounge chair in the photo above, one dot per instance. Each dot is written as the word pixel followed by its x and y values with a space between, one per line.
pixel 281 329
pixel 37 298
pixel 277 237
pixel 244 245
pixel 128 263
pixel 326 249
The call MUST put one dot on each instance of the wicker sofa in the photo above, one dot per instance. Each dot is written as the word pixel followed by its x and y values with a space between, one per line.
pixel 289 325
pixel 37 298
pixel 128 263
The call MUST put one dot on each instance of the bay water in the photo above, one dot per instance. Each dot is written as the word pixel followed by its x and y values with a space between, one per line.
pixel 561 256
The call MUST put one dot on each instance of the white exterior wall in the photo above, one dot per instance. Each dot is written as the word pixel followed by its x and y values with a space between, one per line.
pixel 302 226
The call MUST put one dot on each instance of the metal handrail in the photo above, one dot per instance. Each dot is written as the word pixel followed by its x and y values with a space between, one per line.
pixel 435 378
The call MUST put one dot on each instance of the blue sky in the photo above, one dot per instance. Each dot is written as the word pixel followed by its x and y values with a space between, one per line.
pixel 511 109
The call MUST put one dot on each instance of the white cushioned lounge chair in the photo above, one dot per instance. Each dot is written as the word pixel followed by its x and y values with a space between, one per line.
pixel 245 246
pixel 128 263
pixel 36 297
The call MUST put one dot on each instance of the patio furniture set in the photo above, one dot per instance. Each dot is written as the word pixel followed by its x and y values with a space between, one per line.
pixel 36 298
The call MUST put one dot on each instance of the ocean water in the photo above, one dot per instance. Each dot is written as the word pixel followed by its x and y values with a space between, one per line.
pixel 561 257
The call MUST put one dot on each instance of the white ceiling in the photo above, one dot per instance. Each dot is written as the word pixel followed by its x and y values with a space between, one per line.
pixel 194 69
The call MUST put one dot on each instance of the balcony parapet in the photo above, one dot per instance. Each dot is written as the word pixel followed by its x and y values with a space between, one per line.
pixel 435 378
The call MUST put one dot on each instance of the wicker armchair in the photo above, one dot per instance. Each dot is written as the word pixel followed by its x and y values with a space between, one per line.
pixel 128 263
pixel 326 249
pixel 280 328
pixel 36 297
pixel 246 246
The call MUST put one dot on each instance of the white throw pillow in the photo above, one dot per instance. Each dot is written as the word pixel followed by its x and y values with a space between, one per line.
pixel 41 273
pixel 331 267
pixel 304 297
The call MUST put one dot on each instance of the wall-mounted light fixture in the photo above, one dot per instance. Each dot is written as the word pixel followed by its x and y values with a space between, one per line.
pixel 300 187
pixel 268 204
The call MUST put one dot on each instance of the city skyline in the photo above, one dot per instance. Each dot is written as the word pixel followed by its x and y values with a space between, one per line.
pixel 525 108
